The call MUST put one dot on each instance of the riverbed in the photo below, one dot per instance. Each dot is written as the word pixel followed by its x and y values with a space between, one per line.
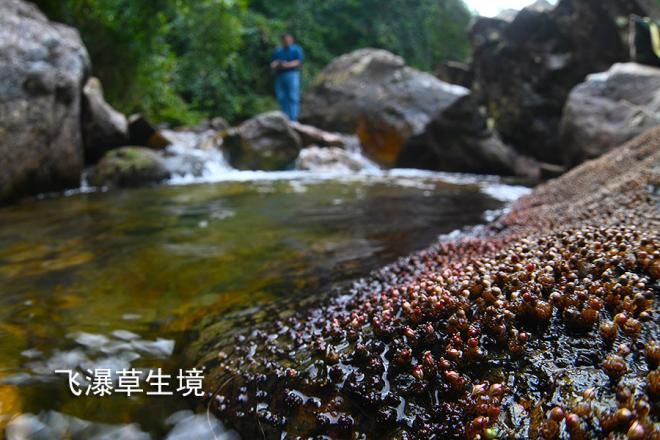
pixel 118 279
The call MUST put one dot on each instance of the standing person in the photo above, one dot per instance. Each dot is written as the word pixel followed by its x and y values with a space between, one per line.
pixel 286 62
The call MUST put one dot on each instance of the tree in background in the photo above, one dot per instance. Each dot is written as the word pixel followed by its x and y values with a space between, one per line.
pixel 179 61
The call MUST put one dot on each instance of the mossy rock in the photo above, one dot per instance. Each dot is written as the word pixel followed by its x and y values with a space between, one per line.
pixel 129 166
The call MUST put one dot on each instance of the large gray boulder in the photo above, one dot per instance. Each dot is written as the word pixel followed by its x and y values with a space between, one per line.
pixel 525 69
pixel 372 93
pixel 265 142
pixel 459 140
pixel 103 127
pixel 609 109
pixel 44 68
pixel 129 167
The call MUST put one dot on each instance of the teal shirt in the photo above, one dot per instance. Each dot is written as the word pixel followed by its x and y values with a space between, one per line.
pixel 291 53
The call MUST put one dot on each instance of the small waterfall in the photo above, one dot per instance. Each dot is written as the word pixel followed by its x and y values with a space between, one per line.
pixel 197 157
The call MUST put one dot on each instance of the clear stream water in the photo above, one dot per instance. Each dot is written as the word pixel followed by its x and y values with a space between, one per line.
pixel 118 279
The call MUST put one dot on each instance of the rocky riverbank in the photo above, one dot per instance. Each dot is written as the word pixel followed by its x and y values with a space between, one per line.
pixel 527 108
pixel 542 325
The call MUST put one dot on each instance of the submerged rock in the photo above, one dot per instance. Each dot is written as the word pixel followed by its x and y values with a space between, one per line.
pixel 526 68
pixel 104 128
pixel 52 425
pixel 543 326
pixel 129 166
pixel 44 67
pixel 265 142
pixel 188 425
pixel 372 93
pixel 609 109
pixel 458 139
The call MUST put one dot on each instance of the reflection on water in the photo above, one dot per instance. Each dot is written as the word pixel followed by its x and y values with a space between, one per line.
pixel 114 280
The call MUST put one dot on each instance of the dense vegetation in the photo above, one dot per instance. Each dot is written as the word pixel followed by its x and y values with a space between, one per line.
pixel 181 60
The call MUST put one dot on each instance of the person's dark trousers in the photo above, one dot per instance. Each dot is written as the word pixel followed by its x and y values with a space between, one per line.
pixel 287 91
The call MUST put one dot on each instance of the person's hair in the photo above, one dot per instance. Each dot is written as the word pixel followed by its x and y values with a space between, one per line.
pixel 286 34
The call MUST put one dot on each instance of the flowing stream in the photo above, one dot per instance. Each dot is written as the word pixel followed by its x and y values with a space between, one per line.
pixel 117 279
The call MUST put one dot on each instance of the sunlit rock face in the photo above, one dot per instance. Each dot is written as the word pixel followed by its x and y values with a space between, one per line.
pixel 44 68
pixel 372 93
pixel 541 327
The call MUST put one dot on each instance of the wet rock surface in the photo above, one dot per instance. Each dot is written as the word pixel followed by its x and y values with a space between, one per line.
pixel 44 67
pixel 609 109
pixel 542 325
pixel 265 142
pixel 372 93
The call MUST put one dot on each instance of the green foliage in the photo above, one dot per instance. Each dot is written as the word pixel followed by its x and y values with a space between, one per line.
pixel 179 61
pixel 425 32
